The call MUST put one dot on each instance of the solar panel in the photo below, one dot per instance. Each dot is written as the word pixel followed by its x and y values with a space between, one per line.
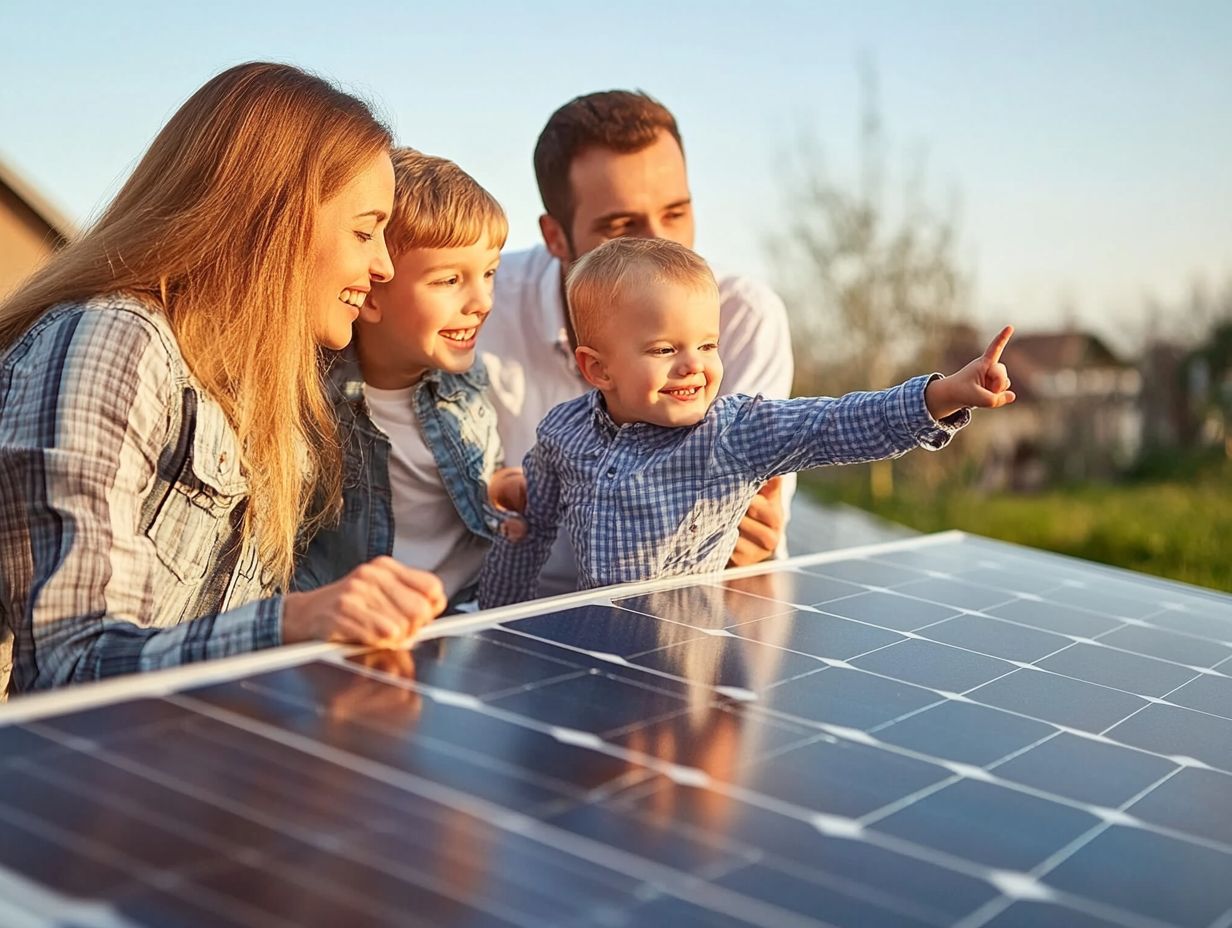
pixel 940 731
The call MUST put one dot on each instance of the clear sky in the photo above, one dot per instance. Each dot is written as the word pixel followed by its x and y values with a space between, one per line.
pixel 1089 144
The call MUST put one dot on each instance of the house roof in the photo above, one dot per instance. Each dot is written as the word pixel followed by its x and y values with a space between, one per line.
pixel 1035 358
pixel 1064 351
pixel 36 202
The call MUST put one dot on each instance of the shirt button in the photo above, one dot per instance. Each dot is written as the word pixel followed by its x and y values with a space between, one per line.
pixel 481 411
pixel 611 471
pixel 693 528
pixel 222 460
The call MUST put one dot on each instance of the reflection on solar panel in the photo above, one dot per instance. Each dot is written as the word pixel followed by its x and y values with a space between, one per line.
pixel 945 731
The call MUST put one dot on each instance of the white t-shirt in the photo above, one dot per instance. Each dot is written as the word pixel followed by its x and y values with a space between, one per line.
pixel 526 350
pixel 428 533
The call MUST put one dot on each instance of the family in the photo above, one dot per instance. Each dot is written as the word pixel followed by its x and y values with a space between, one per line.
pixel 287 388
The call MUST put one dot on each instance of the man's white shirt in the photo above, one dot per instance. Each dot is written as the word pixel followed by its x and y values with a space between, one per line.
pixel 526 350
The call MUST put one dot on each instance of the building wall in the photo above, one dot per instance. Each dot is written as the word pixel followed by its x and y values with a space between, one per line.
pixel 25 241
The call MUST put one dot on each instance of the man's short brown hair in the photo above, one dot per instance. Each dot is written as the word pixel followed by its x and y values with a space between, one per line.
pixel 599 279
pixel 438 205
pixel 623 121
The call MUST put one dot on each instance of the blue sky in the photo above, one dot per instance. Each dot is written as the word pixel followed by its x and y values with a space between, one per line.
pixel 1088 144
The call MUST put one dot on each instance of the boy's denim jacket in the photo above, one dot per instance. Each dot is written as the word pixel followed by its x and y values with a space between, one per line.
pixel 459 425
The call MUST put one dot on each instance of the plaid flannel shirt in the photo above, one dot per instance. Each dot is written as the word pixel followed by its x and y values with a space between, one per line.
pixel 121 505
pixel 643 501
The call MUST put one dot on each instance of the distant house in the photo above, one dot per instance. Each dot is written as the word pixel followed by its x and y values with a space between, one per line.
pixel 1078 414
pixel 30 229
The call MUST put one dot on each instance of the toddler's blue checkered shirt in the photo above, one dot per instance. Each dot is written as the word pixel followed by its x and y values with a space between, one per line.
pixel 644 501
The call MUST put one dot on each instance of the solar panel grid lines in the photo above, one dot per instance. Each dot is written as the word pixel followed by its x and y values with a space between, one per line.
pixel 1046 655
pixel 964 771
pixel 835 740
pixel 504 818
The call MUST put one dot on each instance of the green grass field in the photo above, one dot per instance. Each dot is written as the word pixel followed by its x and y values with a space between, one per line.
pixel 1176 528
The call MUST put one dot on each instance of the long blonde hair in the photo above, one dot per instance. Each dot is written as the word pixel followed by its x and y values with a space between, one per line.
pixel 216 227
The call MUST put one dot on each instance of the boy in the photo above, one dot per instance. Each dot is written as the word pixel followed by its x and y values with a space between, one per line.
pixel 649 472
pixel 419 434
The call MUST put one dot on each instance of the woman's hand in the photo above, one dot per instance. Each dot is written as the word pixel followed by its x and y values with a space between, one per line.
pixel 382 603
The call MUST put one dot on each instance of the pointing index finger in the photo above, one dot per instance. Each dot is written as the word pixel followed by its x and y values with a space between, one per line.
pixel 993 354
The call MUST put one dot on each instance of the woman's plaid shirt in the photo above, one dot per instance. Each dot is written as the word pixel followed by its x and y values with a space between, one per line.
pixel 121 503
pixel 644 501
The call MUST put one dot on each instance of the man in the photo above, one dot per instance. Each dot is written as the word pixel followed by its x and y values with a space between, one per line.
pixel 608 165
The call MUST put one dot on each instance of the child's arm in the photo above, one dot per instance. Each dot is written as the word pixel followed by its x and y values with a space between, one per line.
pixel 774 437
pixel 511 569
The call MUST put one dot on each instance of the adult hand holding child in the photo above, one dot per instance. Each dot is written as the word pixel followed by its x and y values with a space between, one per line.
pixel 507 493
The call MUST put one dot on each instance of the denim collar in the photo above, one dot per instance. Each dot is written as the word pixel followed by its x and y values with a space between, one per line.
pixel 344 376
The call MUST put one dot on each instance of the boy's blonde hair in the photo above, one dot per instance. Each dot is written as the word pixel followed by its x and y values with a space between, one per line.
pixel 438 205
pixel 598 280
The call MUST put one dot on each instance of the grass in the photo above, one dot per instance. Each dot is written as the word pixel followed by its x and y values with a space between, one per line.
pixel 1180 528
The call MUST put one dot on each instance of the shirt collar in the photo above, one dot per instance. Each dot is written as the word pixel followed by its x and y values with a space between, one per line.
pixel 344 374
pixel 607 425
pixel 599 414
pixel 646 430
pixel 552 299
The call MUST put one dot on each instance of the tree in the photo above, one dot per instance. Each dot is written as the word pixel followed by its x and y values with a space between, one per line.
pixel 869 287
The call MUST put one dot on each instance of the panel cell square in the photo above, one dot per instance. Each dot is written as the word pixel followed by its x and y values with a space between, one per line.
pixel 840 777
pixel 1207 693
pixel 954 593
pixel 467 664
pixel 713 738
pixel 1054 698
pixel 606 629
pixel 847 697
pixel 933 665
pixel 860 868
pixel 1168 645
pixel 730 662
pixel 592 702
pixel 1202 621
pixel 704 606
pixel 818 634
pixel 1051 616
pixel 1175 731
pixel 845 905
pixel 1194 802
pixel 804 588
pixel 1085 770
pixel 1133 673
pixel 867 572
pixel 996 638
pixel 990 824
pixel 888 610
pixel 965 732
pixel 1177 882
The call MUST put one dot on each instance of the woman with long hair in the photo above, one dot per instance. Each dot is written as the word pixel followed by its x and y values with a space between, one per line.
pixel 164 434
